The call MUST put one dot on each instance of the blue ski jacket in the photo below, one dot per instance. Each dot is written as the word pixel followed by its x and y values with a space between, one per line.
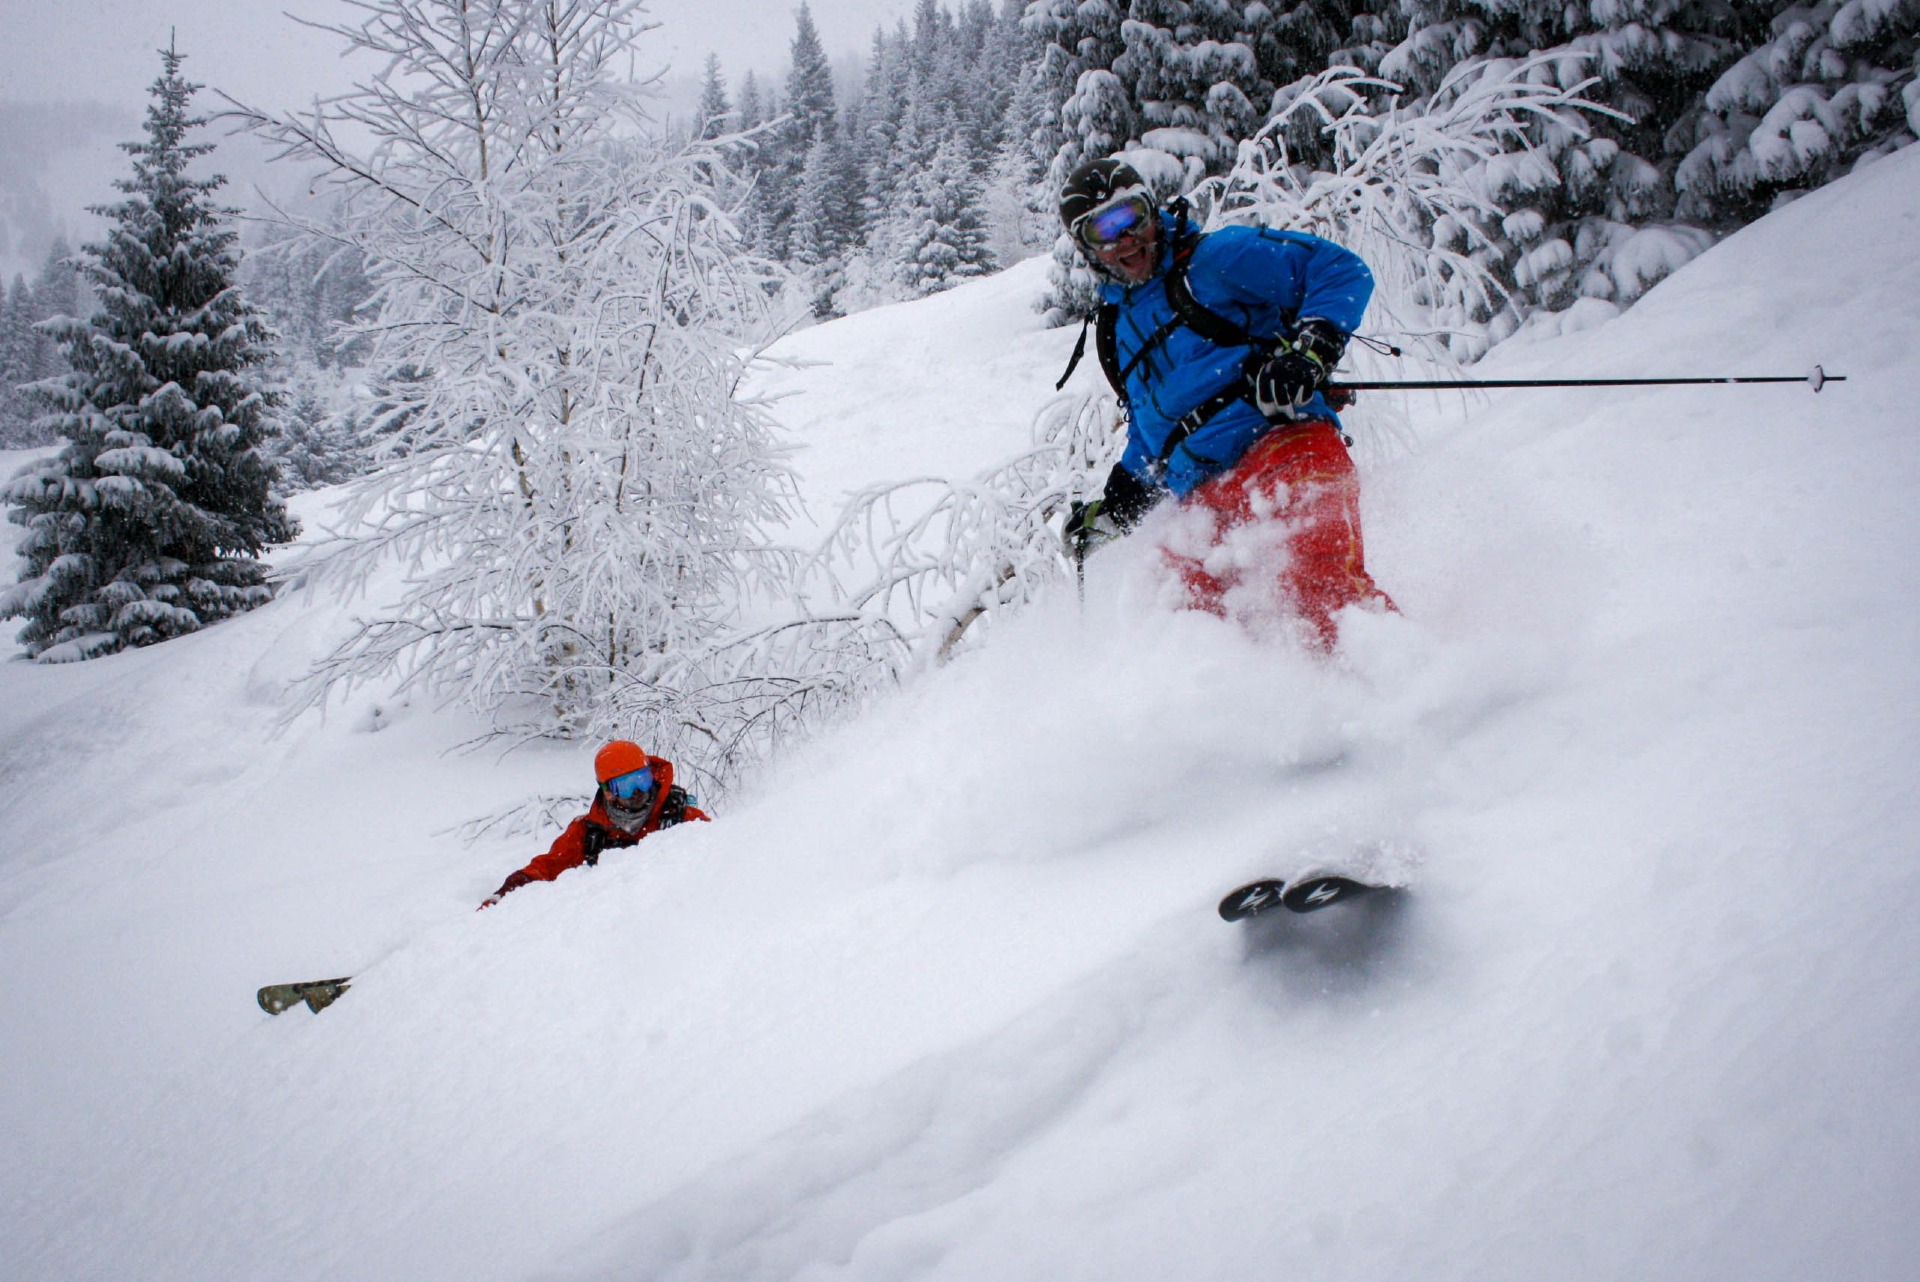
pixel 1262 280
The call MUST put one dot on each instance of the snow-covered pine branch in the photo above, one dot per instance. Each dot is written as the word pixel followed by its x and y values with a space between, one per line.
pixel 1409 187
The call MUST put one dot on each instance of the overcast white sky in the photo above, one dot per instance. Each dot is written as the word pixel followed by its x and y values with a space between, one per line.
pixel 61 50
pixel 103 51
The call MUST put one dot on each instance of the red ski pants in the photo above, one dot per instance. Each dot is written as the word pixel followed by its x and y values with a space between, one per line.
pixel 1278 534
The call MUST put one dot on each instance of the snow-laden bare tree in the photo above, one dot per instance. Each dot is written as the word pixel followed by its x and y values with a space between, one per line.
pixel 579 493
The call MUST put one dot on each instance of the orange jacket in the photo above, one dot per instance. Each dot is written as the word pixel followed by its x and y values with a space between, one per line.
pixel 594 832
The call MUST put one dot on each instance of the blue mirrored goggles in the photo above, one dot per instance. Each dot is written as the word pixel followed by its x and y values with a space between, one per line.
pixel 1104 227
pixel 631 786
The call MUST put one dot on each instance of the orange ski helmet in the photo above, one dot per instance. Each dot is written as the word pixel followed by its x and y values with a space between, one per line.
pixel 622 756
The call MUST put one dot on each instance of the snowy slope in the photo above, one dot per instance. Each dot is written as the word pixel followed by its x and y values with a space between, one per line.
pixel 947 998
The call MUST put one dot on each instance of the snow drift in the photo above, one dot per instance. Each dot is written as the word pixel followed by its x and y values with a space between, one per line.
pixel 947 998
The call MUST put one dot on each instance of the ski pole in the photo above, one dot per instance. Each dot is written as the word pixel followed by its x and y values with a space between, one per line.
pixel 1816 380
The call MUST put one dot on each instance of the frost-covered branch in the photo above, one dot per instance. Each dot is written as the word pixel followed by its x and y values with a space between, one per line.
pixel 935 556
pixel 1410 187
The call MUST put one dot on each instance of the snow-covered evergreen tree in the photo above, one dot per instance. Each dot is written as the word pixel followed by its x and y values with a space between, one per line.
pixel 60 289
pixel 582 490
pixel 810 99
pixel 882 108
pixel 1591 210
pixel 1018 204
pixel 826 219
pixel 29 353
pixel 714 113
pixel 810 116
pixel 943 237
pixel 148 524
pixel 971 76
pixel 1835 82
pixel 753 111
pixel 1020 220
pixel 311 290
pixel 319 442
pixel 19 349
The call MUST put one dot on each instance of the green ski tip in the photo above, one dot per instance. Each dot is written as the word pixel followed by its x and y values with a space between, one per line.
pixel 318 994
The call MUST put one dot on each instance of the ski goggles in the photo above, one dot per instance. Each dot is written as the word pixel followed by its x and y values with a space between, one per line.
pixel 630 787
pixel 1106 226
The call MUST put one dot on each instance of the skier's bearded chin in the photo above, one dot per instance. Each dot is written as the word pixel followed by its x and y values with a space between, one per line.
pixel 629 820
pixel 1131 258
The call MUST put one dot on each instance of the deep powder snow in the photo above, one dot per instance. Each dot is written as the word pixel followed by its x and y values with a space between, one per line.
pixel 946 996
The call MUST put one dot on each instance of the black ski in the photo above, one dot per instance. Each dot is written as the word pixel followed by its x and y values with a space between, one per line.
pixel 1311 894
pixel 318 994
pixel 1308 895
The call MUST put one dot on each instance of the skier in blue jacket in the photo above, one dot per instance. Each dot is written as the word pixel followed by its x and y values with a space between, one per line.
pixel 1219 346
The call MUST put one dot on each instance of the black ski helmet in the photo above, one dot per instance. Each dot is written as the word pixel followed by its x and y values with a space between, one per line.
pixel 1095 183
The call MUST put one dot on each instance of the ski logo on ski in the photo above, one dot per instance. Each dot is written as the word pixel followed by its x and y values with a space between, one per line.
pixel 1314 892
pixel 1251 899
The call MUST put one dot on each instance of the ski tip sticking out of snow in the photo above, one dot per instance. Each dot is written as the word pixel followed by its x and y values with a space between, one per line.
pixel 318 994
pixel 1309 894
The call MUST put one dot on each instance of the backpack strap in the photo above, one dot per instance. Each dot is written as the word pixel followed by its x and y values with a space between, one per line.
pixel 674 809
pixel 1194 314
pixel 1187 310
pixel 1106 345
pixel 1216 329
pixel 1105 323
pixel 595 841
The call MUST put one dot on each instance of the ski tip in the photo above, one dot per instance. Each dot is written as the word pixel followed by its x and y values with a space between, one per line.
pixel 318 994
pixel 1311 894
pixel 1251 899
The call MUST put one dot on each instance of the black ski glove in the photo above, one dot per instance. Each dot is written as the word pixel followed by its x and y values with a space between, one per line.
pixel 1287 380
pixel 1119 508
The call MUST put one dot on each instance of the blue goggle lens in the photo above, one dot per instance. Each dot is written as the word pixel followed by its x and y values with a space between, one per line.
pixel 1108 225
pixel 626 787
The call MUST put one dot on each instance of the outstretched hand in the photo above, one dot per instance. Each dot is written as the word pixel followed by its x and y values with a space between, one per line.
pixel 513 882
